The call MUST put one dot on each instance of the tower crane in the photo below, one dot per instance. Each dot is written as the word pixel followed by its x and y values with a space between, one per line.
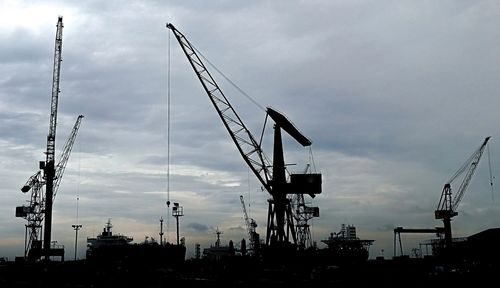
pixel 447 207
pixel 280 224
pixel 253 236
pixel 34 213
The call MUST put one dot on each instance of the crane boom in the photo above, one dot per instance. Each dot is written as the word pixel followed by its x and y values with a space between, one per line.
pixel 446 202
pixel 61 165
pixel 248 147
pixel 49 167
pixel 56 72
pixel 472 165
pixel 247 220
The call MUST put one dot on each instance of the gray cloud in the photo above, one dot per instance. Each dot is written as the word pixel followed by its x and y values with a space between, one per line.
pixel 394 96
pixel 198 227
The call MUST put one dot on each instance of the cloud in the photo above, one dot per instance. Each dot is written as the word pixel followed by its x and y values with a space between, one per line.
pixel 198 227
pixel 393 96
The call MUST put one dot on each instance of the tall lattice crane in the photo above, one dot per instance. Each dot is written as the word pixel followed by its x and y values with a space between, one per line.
pixel 280 224
pixel 447 207
pixel 35 213
pixel 50 175
pixel 253 236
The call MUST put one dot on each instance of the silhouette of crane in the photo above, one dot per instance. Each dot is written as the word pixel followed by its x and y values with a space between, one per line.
pixel 253 236
pixel 447 207
pixel 280 224
pixel 40 208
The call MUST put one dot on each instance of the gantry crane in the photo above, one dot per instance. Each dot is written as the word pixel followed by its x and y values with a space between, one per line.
pixel 35 212
pixel 447 207
pixel 253 236
pixel 280 219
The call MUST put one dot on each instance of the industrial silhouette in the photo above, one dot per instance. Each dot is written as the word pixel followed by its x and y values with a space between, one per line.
pixel 286 257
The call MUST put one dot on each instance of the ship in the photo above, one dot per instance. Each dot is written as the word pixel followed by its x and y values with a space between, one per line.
pixel 119 249
pixel 345 247
pixel 107 243
pixel 218 251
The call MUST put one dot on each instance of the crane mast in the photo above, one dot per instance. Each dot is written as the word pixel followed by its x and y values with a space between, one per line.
pixel 280 219
pixel 447 207
pixel 49 166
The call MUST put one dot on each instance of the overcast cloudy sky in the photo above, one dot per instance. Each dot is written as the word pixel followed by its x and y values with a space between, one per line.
pixel 395 96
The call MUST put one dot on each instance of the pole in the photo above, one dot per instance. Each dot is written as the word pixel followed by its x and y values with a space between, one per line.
pixel 76 227
pixel 49 197
pixel 177 220
pixel 161 231
pixel 177 211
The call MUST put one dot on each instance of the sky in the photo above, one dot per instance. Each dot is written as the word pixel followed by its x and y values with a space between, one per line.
pixel 394 95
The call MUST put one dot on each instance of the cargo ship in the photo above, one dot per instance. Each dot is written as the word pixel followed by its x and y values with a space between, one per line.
pixel 119 249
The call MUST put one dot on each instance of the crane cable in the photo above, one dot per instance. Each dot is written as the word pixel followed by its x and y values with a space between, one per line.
pixel 79 177
pixel 311 159
pixel 229 80
pixel 168 137
pixel 491 172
